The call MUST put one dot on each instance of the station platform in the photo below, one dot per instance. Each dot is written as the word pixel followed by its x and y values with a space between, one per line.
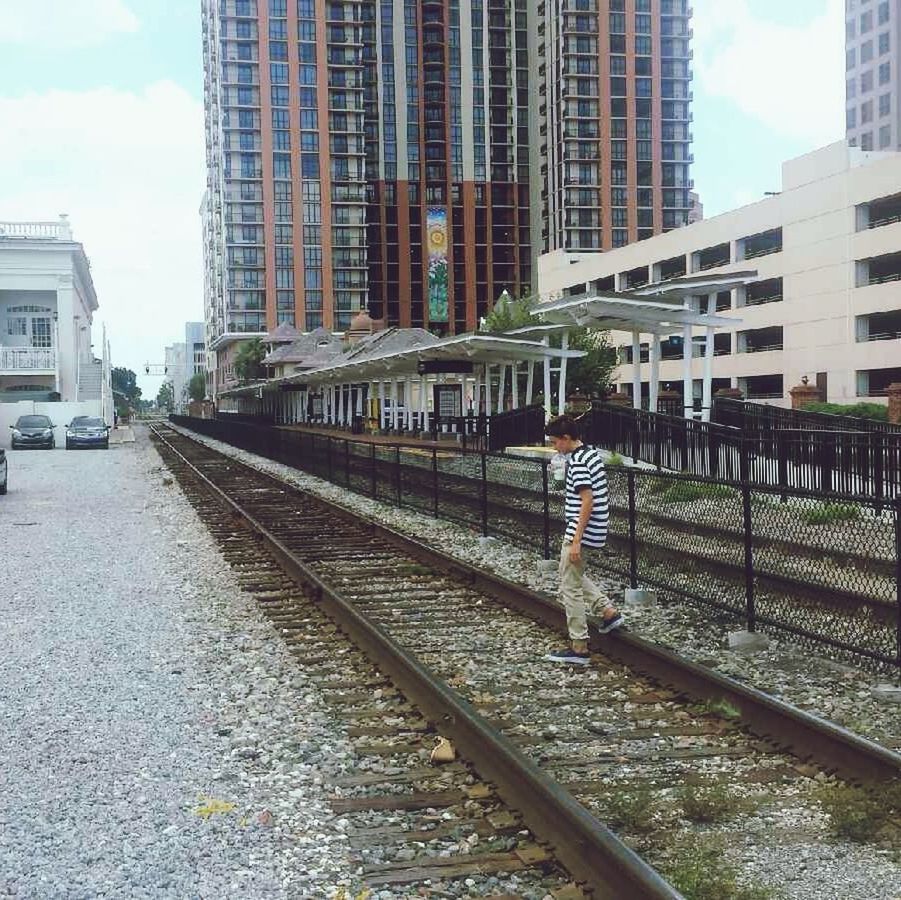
pixel 450 442
pixel 122 434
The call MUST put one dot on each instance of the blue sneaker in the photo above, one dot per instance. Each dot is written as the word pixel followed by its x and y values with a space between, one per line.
pixel 607 625
pixel 569 656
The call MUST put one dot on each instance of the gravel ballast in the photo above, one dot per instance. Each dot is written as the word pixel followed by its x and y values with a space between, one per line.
pixel 154 740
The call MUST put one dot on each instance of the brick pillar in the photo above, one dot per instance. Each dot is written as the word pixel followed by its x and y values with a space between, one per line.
pixel 804 393
pixel 894 402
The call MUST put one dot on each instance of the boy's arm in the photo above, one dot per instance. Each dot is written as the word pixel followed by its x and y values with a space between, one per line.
pixel 587 498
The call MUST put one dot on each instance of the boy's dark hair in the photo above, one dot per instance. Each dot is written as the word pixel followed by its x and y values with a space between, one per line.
pixel 563 425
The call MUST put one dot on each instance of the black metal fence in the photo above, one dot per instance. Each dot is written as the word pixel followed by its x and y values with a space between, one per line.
pixel 756 417
pixel 823 568
pixel 852 462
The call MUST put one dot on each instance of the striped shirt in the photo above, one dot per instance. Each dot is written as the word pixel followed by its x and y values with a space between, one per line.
pixel 585 469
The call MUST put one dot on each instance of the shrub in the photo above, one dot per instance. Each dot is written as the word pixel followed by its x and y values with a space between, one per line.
pixel 830 512
pixel 854 410
pixel 632 808
pixel 700 873
pixel 855 814
pixel 687 491
pixel 614 460
pixel 707 803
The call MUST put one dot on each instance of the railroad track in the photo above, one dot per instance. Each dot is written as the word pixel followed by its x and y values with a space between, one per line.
pixel 641 740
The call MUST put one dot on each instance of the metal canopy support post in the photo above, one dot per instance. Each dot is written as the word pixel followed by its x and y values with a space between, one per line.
pixel 423 405
pixel 548 405
pixel 530 381
pixel 340 404
pixel 501 387
pixel 636 369
pixel 408 404
pixel 707 396
pixel 561 386
pixel 514 377
pixel 383 424
pixel 394 393
pixel 487 389
pixel 655 372
pixel 688 402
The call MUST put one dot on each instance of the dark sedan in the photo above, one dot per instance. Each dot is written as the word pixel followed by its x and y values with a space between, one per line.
pixel 33 431
pixel 87 431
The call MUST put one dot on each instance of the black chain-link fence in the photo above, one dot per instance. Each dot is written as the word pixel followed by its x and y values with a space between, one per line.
pixel 821 567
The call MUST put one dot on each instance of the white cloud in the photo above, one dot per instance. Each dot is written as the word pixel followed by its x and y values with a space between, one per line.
pixel 129 170
pixel 64 23
pixel 790 78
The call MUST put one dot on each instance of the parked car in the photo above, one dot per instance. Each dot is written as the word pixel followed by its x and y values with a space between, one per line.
pixel 4 467
pixel 33 431
pixel 87 431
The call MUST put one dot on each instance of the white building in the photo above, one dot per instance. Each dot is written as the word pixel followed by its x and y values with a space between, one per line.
pixel 47 305
pixel 184 361
pixel 826 303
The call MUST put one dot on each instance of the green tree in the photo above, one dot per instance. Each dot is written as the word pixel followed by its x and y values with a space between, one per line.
pixel 197 386
pixel 126 393
pixel 248 360
pixel 507 314
pixel 165 398
pixel 592 375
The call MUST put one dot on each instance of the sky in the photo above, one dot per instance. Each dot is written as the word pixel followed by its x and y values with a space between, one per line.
pixel 101 117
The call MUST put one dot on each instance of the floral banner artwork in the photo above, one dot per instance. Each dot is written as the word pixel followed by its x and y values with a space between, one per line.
pixel 436 228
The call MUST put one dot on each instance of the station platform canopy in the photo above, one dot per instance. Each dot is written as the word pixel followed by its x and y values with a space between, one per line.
pixel 658 309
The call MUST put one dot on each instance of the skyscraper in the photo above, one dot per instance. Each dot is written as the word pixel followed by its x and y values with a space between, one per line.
pixel 615 106
pixel 414 156
pixel 873 82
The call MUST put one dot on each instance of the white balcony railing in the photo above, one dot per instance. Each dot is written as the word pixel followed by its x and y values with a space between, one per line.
pixel 27 359
pixel 57 231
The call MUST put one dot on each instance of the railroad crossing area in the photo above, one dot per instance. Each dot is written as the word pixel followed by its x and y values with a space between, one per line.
pixel 223 679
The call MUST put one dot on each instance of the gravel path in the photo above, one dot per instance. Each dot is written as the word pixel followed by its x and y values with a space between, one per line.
pixel 154 742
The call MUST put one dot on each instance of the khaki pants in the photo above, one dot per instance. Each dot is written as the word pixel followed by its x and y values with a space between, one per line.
pixel 580 595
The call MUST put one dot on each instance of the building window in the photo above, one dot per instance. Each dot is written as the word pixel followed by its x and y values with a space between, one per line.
pixel 866 22
pixel 884 43
pixel 17 326
pixel 850 88
pixel 866 52
pixel 885 105
pixel 866 81
pixel 866 141
pixel 850 58
pixel 885 136
pixel 642 45
pixel 885 73
pixel 883 12
pixel 851 118
pixel 866 112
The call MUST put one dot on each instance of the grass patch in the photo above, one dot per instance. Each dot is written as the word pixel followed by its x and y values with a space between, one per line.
pixel 856 814
pixel 830 512
pixel 700 873
pixel 632 809
pixel 709 803
pixel 687 491
pixel 722 708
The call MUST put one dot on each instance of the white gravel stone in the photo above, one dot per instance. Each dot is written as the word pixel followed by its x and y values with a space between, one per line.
pixel 131 666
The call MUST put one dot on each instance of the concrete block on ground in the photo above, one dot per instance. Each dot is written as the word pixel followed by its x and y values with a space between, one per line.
pixel 748 641
pixel 640 597
pixel 547 565
pixel 887 693
pixel 486 539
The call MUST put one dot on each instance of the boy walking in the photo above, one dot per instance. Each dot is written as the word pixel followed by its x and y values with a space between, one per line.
pixel 587 514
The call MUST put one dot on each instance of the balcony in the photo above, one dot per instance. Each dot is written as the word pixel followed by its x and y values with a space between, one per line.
pixel 760 340
pixel 879 326
pixel 878 213
pixel 27 361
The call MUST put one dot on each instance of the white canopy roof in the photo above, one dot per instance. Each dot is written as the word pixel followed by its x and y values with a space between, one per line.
pixel 696 285
pixel 476 348
pixel 617 312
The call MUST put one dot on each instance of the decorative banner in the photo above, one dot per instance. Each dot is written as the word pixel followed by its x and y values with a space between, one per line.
pixel 436 228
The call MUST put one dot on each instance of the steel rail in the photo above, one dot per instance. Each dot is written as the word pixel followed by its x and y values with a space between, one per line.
pixel 804 735
pixel 585 846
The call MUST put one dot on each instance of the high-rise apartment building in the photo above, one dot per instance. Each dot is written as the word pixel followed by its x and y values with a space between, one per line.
pixel 414 156
pixel 615 107
pixel 873 82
